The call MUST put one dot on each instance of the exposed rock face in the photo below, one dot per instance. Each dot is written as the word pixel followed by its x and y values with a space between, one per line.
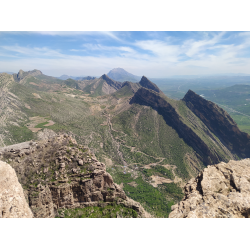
pixel 114 84
pixel 21 74
pixel 58 173
pixel 144 82
pixel 132 86
pixel 220 191
pixel 45 134
pixel 12 200
pixel 150 98
pixel 220 123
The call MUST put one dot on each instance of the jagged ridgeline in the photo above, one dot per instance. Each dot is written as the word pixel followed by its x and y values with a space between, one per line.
pixel 150 143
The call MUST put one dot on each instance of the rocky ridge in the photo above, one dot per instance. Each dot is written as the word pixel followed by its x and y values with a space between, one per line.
pixel 22 74
pixel 114 84
pixel 12 200
pixel 220 123
pixel 57 173
pixel 132 86
pixel 219 191
pixel 151 98
pixel 144 82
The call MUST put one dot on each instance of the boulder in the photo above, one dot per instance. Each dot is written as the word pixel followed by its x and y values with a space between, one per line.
pixel 12 200
pixel 219 191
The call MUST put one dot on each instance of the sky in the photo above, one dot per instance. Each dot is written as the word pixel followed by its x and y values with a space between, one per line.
pixel 153 54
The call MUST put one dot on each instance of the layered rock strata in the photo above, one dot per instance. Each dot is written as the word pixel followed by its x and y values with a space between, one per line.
pixel 144 82
pixel 12 200
pixel 114 84
pixel 219 191
pixel 220 123
pixel 151 98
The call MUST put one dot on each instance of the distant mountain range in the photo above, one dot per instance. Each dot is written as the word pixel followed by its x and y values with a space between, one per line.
pixel 10 73
pixel 81 78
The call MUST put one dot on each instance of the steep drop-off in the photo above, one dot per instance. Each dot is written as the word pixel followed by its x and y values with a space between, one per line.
pixel 144 82
pixel 220 123
pixel 172 118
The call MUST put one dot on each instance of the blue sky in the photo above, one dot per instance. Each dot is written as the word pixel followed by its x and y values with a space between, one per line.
pixel 153 54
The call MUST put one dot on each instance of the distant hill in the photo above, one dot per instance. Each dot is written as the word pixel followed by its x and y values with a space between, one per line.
pixel 65 77
pixel 81 78
pixel 100 86
pixel 85 78
pixel 10 73
pixel 121 75
pixel 22 74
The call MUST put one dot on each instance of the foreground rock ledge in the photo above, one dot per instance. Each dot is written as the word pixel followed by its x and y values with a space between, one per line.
pixel 56 173
pixel 12 200
pixel 220 191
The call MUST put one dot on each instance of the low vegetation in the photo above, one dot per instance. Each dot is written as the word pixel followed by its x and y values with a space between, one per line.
pixel 112 210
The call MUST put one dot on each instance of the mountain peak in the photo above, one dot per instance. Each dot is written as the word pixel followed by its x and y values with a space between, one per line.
pixel 21 74
pixel 144 82
pixel 120 74
pixel 115 84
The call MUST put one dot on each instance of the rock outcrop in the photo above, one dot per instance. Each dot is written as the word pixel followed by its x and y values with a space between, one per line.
pixel 114 84
pixel 220 191
pixel 12 200
pixel 144 82
pixel 57 173
pixel 219 123
pixel 22 74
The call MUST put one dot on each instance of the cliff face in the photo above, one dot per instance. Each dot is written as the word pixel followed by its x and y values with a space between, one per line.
pixel 21 74
pixel 220 191
pixel 150 98
pixel 220 123
pixel 12 199
pixel 144 82
pixel 57 173
pixel 114 84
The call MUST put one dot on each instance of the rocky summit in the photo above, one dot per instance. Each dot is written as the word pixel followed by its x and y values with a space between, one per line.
pixel 219 191
pixel 144 82
pixel 57 174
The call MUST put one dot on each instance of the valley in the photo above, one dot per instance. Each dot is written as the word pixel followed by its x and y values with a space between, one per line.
pixel 151 144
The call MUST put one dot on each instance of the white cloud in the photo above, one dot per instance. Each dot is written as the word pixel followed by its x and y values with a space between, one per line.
pixel 36 51
pixel 193 47
pixel 78 33
pixel 153 58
